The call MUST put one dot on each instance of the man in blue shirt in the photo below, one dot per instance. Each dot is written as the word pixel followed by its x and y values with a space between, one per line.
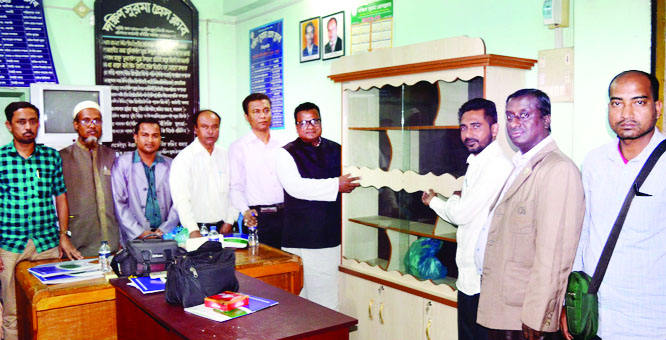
pixel 140 183
pixel 632 295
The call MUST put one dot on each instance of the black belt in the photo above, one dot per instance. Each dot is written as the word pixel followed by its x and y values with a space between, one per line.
pixel 268 209
pixel 217 224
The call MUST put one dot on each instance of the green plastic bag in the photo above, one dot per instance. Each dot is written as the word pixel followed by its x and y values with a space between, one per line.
pixel 421 261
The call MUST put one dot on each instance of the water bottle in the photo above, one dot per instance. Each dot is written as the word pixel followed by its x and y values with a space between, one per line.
pixel 213 235
pixel 104 254
pixel 204 230
pixel 252 237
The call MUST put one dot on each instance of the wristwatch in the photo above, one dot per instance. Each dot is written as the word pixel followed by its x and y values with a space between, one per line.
pixel 66 232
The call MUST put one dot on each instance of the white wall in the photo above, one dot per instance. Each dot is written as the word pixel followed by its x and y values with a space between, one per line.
pixel 608 36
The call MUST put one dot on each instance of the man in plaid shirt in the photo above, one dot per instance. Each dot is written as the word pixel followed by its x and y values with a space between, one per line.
pixel 30 176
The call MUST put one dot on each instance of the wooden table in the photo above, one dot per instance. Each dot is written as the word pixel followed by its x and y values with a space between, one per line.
pixel 87 310
pixel 150 317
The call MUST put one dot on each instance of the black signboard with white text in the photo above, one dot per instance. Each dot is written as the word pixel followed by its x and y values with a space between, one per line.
pixel 147 51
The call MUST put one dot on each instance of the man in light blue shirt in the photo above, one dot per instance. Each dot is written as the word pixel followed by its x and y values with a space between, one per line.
pixel 632 296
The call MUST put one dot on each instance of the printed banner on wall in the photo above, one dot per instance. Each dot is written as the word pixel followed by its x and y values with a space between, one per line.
pixel 266 67
pixel 147 51
pixel 372 27
pixel 25 52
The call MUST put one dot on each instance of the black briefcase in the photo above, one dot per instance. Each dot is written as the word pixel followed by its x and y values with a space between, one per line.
pixel 207 271
pixel 141 257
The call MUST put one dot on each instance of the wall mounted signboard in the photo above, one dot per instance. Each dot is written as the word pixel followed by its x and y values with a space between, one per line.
pixel 147 52
pixel 25 53
pixel 266 67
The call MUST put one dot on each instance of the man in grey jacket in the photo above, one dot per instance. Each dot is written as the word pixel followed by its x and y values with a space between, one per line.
pixel 141 193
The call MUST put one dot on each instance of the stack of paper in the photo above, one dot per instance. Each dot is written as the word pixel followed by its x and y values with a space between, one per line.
pixel 255 304
pixel 64 272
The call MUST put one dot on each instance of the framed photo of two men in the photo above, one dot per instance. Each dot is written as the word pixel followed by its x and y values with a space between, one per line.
pixel 310 41
pixel 334 28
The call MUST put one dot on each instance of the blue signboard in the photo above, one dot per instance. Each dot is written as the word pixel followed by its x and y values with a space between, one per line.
pixel 25 53
pixel 266 67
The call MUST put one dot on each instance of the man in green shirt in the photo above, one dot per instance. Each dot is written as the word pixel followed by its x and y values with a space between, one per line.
pixel 30 176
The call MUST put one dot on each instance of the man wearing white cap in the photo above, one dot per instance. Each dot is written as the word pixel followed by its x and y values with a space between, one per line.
pixel 87 170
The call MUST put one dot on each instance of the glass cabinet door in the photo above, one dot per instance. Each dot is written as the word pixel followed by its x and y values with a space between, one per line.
pixel 401 133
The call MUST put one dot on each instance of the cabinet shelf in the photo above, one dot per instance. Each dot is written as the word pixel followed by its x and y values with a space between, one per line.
pixel 386 128
pixel 404 226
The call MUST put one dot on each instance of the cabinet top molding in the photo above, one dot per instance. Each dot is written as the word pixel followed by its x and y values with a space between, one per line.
pixel 435 65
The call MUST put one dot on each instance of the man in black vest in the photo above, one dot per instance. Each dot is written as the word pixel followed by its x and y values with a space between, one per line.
pixel 309 169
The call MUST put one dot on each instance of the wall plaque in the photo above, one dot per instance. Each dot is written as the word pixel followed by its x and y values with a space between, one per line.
pixel 147 52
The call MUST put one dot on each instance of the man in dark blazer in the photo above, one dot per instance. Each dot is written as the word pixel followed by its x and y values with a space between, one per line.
pixel 531 237
pixel 334 42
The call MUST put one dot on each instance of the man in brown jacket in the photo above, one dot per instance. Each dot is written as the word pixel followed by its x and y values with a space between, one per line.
pixel 531 237
pixel 86 167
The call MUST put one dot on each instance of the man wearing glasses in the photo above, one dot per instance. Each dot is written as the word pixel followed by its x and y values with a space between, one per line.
pixel 309 169
pixel 526 249
pixel 86 168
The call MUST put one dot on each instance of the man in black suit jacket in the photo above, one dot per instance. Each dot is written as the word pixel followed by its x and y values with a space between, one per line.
pixel 334 42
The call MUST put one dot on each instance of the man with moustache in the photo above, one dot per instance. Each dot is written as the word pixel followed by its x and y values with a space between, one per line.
pixel 311 49
pixel 526 249
pixel 199 179
pixel 30 176
pixel 86 166
pixel 487 171
pixel 309 169
pixel 255 188
pixel 140 182
pixel 632 295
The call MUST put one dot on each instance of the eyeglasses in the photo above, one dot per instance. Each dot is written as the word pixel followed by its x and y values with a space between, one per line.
pixel 88 121
pixel 304 123
pixel 523 116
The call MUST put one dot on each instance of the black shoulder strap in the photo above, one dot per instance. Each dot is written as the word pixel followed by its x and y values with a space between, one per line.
pixel 600 271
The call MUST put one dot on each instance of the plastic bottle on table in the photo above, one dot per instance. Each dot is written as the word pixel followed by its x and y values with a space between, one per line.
pixel 104 254
pixel 204 230
pixel 252 237
pixel 213 235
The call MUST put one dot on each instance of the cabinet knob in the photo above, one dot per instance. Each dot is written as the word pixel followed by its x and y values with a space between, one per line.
pixel 370 310
pixel 428 329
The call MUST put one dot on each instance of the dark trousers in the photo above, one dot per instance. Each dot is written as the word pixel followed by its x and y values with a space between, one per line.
pixel 495 334
pixel 269 227
pixel 468 329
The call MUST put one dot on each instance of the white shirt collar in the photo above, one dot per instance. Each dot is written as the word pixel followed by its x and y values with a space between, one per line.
pixel 489 151
pixel 520 158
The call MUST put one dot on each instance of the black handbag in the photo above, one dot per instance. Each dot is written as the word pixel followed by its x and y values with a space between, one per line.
pixel 206 271
pixel 141 257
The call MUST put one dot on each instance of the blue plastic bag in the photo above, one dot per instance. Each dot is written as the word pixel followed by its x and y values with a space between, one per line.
pixel 421 261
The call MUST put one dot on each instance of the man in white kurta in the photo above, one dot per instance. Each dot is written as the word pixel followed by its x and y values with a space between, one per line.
pixel 309 169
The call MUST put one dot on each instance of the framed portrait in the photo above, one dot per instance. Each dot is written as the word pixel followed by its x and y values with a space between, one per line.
pixel 310 39
pixel 333 35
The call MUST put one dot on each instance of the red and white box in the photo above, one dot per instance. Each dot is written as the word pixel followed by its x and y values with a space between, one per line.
pixel 226 301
